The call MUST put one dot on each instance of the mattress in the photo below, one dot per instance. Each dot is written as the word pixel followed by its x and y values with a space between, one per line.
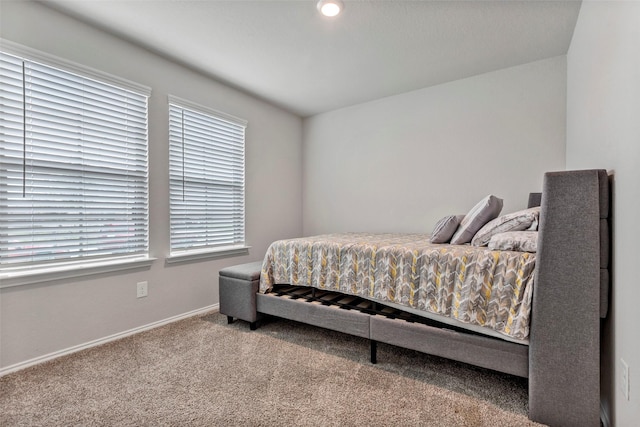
pixel 482 290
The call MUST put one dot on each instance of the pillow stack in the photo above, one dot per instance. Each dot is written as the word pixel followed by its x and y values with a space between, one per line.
pixel 483 227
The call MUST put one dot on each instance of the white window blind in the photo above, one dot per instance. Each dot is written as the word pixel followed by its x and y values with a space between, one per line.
pixel 206 161
pixel 73 166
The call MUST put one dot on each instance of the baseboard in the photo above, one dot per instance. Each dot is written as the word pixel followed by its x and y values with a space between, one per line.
pixel 41 359
pixel 604 417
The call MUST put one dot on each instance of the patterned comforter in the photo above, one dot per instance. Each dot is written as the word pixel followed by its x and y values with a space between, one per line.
pixel 472 285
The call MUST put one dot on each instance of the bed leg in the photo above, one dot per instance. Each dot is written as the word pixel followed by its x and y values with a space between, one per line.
pixel 374 352
pixel 229 320
pixel 253 326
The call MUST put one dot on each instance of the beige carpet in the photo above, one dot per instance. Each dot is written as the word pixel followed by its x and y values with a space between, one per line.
pixel 203 372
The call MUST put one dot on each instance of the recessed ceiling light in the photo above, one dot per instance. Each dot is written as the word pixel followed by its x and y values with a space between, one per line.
pixel 330 7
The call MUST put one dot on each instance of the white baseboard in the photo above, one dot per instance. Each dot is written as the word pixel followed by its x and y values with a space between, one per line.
pixel 37 360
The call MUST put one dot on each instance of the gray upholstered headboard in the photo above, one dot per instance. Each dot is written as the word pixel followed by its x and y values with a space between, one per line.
pixel 535 199
pixel 569 297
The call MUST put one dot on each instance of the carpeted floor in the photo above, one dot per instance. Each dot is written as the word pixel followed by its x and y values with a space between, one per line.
pixel 203 372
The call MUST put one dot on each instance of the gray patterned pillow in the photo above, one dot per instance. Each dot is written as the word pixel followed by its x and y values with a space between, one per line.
pixel 516 221
pixel 483 212
pixel 521 241
pixel 444 229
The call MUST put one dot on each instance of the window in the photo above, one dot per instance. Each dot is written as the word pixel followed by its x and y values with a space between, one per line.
pixel 206 172
pixel 73 166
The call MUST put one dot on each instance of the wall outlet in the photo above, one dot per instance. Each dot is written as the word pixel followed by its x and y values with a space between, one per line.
pixel 624 378
pixel 141 289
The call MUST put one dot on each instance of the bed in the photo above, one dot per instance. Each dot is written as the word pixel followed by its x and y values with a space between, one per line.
pixel 545 326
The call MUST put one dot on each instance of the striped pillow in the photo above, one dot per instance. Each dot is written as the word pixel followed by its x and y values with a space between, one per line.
pixel 483 212
pixel 444 229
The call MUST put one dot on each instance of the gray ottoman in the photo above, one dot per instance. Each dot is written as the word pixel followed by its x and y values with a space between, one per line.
pixel 238 286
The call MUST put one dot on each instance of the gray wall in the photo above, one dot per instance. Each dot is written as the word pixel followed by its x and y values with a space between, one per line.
pixel 39 319
pixel 603 131
pixel 400 163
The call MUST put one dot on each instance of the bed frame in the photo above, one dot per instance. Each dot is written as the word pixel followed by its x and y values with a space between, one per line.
pixel 562 360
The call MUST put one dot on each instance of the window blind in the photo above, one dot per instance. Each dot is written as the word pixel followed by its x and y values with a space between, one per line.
pixel 73 166
pixel 206 172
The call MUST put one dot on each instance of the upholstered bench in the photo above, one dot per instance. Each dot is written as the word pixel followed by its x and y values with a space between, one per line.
pixel 238 286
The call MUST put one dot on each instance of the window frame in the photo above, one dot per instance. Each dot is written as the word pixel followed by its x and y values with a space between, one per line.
pixel 73 267
pixel 207 252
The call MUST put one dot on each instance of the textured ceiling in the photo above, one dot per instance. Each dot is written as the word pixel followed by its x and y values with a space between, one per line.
pixel 287 53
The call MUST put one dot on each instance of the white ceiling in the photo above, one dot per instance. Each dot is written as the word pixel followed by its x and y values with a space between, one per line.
pixel 287 53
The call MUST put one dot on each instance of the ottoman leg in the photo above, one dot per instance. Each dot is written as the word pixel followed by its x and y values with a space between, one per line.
pixel 229 320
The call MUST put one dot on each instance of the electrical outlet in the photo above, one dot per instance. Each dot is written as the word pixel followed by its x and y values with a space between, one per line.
pixel 624 378
pixel 141 289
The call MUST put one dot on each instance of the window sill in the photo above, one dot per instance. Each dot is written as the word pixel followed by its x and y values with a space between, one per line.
pixel 18 277
pixel 207 254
